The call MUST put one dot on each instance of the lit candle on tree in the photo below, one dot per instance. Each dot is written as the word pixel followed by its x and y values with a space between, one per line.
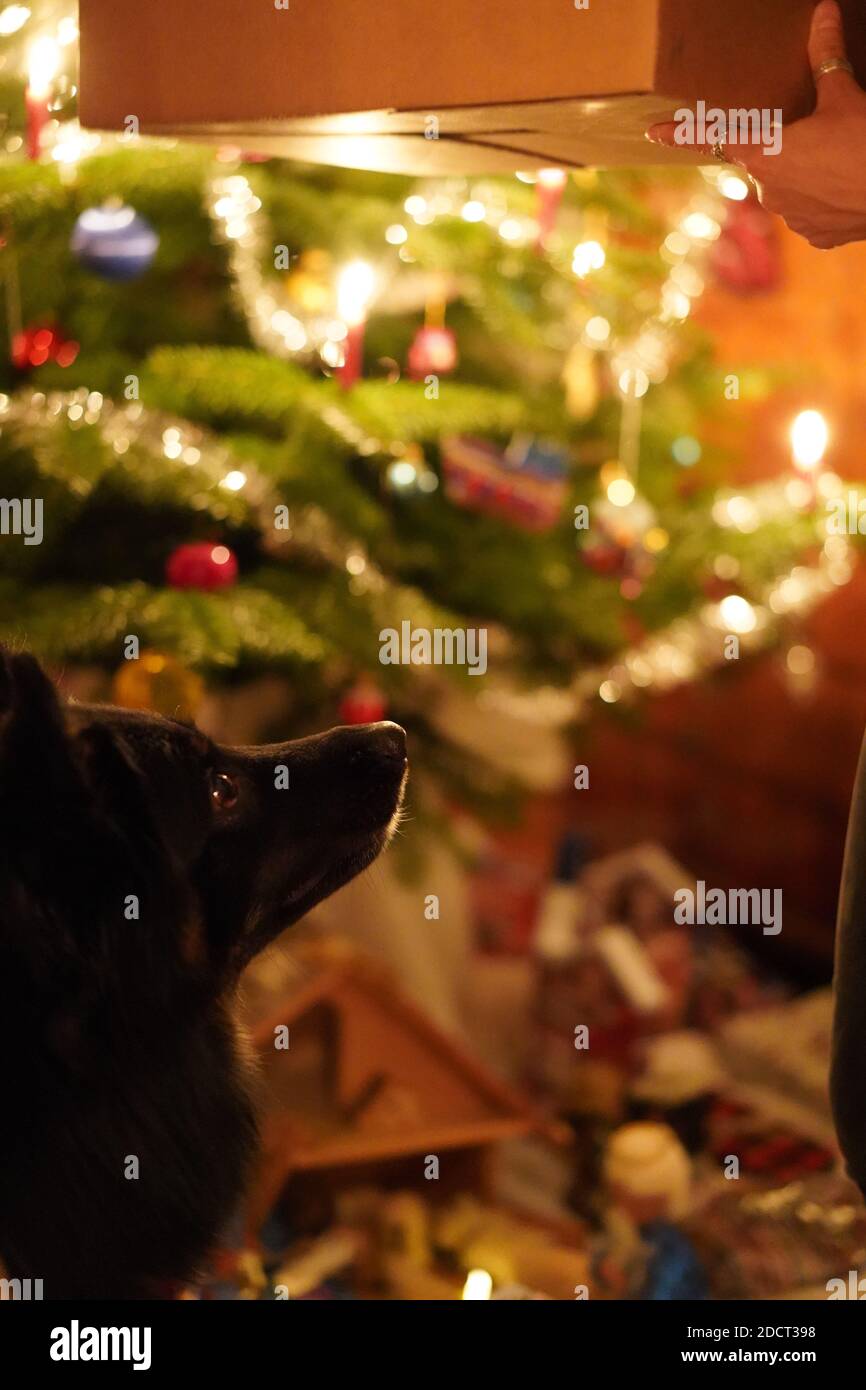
pixel 354 291
pixel 43 62
pixel 809 436
pixel 434 347
pixel 478 1286
pixel 549 187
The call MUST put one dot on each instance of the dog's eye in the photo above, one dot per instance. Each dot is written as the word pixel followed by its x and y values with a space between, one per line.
pixel 223 791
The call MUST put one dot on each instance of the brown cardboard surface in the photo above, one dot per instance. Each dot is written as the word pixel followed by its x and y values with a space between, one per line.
pixel 186 60
pixel 513 83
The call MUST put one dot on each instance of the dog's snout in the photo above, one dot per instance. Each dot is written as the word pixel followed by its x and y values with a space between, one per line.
pixel 378 745
pixel 393 740
pixel 348 780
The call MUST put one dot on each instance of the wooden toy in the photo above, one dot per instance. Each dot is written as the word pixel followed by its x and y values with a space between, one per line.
pixel 363 1090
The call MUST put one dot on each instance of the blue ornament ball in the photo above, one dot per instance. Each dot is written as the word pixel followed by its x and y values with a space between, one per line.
pixel 116 243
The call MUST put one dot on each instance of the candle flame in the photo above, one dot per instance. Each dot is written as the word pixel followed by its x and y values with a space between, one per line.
pixel 552 178
pixel 43 61
pixel 809 435
pixel 478 1286
pixel 354 291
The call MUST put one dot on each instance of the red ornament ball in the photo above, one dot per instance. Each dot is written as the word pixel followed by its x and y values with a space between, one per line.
pixel 201 565
pixel 606 558
pixel 747 258
pixel 363 703
pixel 433 351
pixel 41 343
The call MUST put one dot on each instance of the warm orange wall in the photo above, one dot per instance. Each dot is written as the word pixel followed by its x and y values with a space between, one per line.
pixel 743 780
pixel 815 322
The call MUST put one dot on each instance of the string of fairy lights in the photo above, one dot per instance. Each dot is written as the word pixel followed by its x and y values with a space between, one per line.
pixel 635 363
pixel 122 427
pixel 689 646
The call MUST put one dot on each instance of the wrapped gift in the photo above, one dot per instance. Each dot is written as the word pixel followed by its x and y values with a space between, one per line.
pixel 525 485
pixel 406 86
pixel 805 1236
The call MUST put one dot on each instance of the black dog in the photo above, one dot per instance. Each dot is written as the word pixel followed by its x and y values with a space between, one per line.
pixel 141 867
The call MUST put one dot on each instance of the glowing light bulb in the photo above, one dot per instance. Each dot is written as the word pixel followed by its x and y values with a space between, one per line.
pixel 13 18
pixel 809 435
pixel 733 187
pixel 675 302
pixel 633 382
pixel 621 492
pixel 737 614
pixel 234 481
pixel 800 661
pixel 597 329
pixel 588 255
pixel 73 144
pixel 677 244
pixel 402 474
pixel 737 511
pixel 510 229
pixel 354 291
pixel 700 226
pixel 67 31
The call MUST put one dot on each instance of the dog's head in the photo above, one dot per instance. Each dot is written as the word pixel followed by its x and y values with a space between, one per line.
pixel 138 843
pixel 141 866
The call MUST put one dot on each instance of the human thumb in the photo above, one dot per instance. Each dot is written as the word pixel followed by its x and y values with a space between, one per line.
pixel 826 42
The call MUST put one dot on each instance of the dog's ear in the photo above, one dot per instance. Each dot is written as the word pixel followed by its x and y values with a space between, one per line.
pixel 77 832
pixel 120 806
pixel 44 808
pixel 134 887
pixel 47 772
pixel 38 779
pixel 112 778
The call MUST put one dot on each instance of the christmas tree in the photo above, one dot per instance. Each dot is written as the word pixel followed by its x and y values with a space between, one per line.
pixel 272 412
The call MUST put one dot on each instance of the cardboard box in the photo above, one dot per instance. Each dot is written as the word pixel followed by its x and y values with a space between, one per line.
pixel 504 84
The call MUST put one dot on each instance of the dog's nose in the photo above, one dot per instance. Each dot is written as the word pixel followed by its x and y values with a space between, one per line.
pixel 378 744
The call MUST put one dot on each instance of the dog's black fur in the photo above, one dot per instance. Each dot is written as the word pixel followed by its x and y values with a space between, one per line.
pixel 119 1035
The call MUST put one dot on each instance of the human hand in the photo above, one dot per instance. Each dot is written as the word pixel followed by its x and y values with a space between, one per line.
pixel 817 181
